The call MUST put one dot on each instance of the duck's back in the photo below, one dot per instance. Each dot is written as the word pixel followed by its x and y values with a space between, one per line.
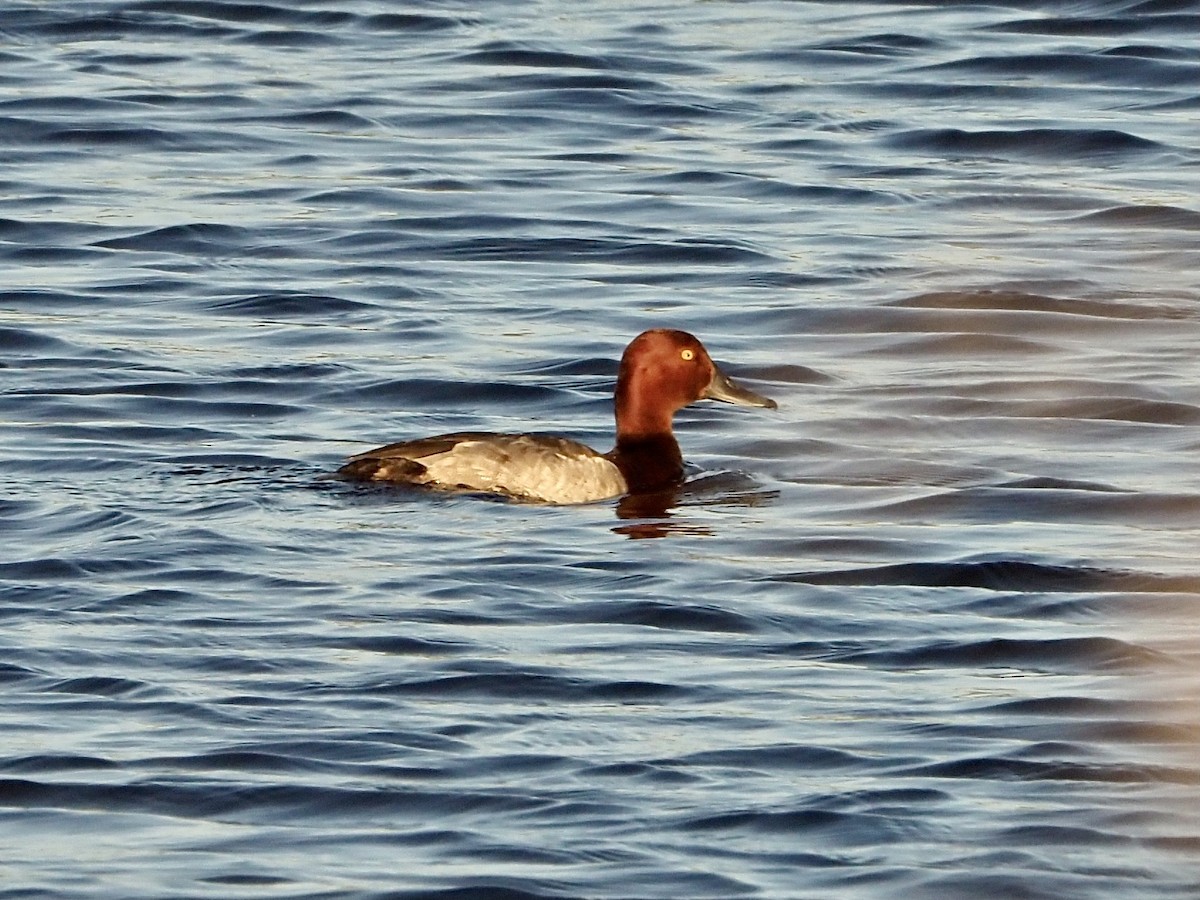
pixel 526 466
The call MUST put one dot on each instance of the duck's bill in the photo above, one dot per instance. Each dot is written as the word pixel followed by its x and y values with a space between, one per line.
pixel 725 389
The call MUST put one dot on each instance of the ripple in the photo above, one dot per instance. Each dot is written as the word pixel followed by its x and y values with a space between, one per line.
pixel 1002 575
pixel 1049 143
pixel 290 304
pixel 1144 216
pixel 197 238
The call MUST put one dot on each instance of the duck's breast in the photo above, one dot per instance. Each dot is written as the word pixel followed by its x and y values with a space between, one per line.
pixel 527 466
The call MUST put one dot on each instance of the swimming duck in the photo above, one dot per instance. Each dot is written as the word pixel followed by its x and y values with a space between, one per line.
pixel 661 371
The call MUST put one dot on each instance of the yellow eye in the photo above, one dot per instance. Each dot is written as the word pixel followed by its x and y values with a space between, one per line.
pixel 689 355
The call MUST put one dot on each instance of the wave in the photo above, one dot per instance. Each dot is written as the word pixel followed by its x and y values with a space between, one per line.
pixel 196 238
pixel 1032 143
pixel 1014 575
pixel 1020 301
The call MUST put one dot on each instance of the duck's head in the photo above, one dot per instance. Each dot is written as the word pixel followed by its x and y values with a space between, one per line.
pixel 664 370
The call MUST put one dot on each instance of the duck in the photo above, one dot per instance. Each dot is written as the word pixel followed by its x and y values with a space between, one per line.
pixel 661 371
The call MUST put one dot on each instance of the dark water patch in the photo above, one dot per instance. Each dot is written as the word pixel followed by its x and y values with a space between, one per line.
pixel 142 600
pixel 645 772
pixel 1050 483
pixel 470 223
pixel 972 345
pixel 409 22
pixel 1014 575
pixel 117 438
pixel 675 615
pixel 16 131
pixel 244 762
pixel 1064 836
pixel 1144 216
pixel 291 38
pixel 1148 51
pixel 1083 655
pixel 1114 709
pixel 304 373
pixel 1010 769
pixel 1088 68
pixel 243 13
pixel 793 146
pixel 342 197
pixel 43 600
pixel 141 137
pixel 504 53
pixel 1173 105
pixel 25 239
pixel 247 880
pixel 693 251
pixel 513 54
pixel 768 188
pixel 1084 144
pixel 214 576
pixel 68 522
pixel 398 645
pixel 24 340
pixel 860 170
pixel 1095 721
pixel 102 686
pixel 992 875
pixel 775 758
pixel 13 674
pixel 200 238
pixel 502 686
pixel 487 889
pixel 51 763
pixel 114 26
pixel 1017 332
pixel 138 60
pixel 81 568
pixel 1170 23
pixel 336 120
pixel 64 104
pixel 154 286
pixel 42 256
pixel 843 828
pixel 290 304
pixel 789 373
pixel 538 86
pixel 12 507
pixel 271 193
pixel 989 504
pixel 205 100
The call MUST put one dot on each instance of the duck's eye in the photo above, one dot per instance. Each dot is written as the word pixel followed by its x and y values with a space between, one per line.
pixel 688 355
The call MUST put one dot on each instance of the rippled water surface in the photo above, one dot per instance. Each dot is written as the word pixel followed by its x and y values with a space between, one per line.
pixel 931 629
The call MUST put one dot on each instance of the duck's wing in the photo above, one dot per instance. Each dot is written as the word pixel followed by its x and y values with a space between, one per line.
pixel 527 466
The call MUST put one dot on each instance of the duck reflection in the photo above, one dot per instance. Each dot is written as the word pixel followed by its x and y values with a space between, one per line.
pixel 660 514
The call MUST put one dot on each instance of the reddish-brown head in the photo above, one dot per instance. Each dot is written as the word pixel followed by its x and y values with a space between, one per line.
pixel 661 372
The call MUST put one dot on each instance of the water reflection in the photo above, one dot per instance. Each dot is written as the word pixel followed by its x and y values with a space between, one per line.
pixel 658 511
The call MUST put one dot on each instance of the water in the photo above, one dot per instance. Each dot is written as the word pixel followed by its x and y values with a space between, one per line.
pixel 929 630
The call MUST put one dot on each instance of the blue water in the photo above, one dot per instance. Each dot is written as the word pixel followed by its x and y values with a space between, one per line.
pixel 930 630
